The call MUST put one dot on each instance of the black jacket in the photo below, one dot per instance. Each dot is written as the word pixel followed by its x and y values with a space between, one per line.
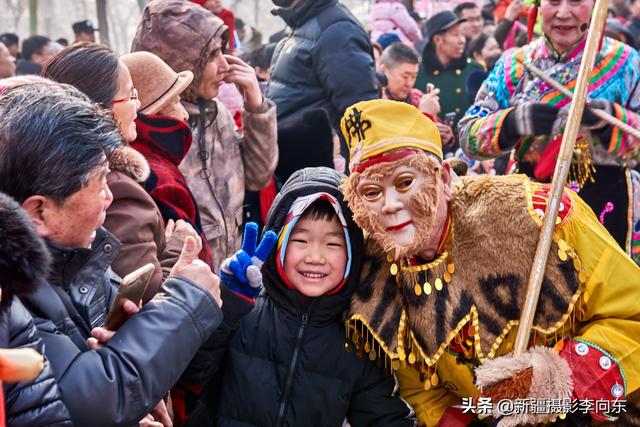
pixel 326 62
pixel 24 261
pixel 37 402
pixel 119 384
pixel 287 364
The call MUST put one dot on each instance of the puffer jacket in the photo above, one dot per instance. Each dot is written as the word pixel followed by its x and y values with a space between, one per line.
pixel 287 364
pixel 392 16
pixel 222 162
pixel 326 62
pixel 120 383
pixel 24 262
pixel 37 402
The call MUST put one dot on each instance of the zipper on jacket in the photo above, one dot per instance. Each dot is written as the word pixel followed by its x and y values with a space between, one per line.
pixel 292 368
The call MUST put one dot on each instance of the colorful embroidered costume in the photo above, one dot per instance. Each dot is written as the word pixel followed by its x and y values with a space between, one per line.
pixel 437 322
pixel 615 78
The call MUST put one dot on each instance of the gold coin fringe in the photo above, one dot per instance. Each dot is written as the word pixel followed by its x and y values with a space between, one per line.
pixel 582 169
pixel 361 341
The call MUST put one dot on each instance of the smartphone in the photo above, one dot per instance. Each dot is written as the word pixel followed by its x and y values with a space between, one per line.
pixel 132 288
pixel 449 118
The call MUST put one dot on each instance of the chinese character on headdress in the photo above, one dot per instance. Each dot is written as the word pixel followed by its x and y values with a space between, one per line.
pixel 356 127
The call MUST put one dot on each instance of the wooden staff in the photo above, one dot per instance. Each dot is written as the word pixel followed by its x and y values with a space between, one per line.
pixel 560 176
pixel 601 114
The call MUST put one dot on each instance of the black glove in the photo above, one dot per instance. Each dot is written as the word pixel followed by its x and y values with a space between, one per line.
pixel 590 120
pixel 527 119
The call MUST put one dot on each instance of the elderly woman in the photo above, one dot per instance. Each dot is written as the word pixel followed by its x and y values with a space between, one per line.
pixel 132 217
pixel 223 161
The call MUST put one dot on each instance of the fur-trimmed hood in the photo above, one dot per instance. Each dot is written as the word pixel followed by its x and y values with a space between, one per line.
pixel 128 160
pixel 24 258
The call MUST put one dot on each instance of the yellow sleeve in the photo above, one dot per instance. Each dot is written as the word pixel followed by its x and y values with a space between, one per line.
pixel 428 404
pixel 610 314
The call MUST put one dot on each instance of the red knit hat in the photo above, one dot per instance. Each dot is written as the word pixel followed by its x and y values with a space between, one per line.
pixel 200 2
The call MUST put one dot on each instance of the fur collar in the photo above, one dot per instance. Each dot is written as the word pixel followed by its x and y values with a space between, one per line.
pixel 127 160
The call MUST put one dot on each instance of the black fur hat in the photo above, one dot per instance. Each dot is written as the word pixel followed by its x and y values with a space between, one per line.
pixel 24 258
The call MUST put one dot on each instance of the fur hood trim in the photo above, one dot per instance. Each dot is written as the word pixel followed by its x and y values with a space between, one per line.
pixel 130 161
pixel 24 258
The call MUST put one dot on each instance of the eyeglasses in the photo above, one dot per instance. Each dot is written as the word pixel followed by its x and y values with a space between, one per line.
pixel 133 97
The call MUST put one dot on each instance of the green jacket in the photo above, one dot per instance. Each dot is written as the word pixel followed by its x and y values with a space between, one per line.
pixel 450 80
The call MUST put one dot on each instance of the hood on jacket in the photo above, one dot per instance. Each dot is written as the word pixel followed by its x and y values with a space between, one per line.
pixel 296 16
pixel 303 183
pixel 182 34
pixel 24 258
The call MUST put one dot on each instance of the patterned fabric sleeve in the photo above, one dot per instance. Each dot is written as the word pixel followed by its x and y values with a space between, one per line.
pixel 622 144
pixel 626 107
pixel 479 129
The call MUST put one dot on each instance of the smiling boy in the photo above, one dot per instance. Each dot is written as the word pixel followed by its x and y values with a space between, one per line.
pixel 288 363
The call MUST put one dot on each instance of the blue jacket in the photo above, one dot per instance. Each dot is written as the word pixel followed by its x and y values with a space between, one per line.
pixel 326 62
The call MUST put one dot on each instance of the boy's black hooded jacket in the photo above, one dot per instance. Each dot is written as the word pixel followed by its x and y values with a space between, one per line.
pixel 287 364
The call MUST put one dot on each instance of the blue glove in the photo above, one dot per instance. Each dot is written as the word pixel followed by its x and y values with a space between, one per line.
pixel 241 272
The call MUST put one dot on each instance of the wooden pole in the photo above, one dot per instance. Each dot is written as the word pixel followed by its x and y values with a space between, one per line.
pixel 560 176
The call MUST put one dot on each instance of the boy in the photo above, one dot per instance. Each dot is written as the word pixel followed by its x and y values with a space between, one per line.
pixel 287 363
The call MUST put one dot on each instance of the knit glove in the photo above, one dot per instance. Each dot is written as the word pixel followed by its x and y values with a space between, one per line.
pixel 590 120
pixel 241 272
pixel 527 119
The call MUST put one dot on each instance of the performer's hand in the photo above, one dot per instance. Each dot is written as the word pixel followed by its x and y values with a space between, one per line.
pixel 538 373
pixel 590 120
pixel 241 272
pixel 527 119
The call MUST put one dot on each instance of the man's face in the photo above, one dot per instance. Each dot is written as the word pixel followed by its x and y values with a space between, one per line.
pixel 401 78
pixel 565 21
pixel 43 56
pixel 473 26
pixel 450 44
pixel 86 37
pixel 213 74
pixel 74 222
pixel 7 63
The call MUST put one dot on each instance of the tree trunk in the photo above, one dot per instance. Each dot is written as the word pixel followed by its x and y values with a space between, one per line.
pixel 103 22
pixel 33 17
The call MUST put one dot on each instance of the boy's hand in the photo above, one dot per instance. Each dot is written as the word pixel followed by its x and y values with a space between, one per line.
pixel 241 272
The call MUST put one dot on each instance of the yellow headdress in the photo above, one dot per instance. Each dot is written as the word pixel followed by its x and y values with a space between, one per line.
pixel 376 129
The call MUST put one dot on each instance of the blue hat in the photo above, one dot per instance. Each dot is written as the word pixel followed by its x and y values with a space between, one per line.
pixel 387 39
